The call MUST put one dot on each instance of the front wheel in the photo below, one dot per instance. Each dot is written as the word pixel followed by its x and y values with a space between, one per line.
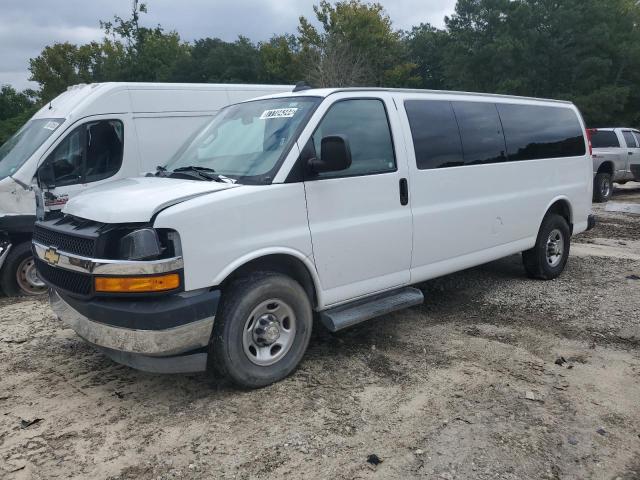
pixel 547 259
pixel 602 188
pixel 19 275
pixel 262 330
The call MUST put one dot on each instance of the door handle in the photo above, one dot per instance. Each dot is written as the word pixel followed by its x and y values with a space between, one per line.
pixel 404 191
pixel 630 153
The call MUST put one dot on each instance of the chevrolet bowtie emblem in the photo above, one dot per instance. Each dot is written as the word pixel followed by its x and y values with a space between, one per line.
pixel 52 256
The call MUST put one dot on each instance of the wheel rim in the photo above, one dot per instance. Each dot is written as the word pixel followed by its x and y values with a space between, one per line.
pixel 605 187
pixel 269 332
pixel 27 278
pixel 555 248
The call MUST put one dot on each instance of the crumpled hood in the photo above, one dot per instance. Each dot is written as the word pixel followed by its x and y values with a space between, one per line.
pixel 137 199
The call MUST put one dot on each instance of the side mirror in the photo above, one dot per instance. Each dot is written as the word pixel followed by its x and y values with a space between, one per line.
pixel 335 155
pixel 46 176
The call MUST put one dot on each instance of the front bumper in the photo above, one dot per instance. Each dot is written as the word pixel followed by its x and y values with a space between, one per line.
pixel 5 246
pixel 168 335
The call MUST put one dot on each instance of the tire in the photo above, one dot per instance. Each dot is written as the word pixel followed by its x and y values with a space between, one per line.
pixel 17 273
pixel 602 188
pixel 240 347
pixel 541 262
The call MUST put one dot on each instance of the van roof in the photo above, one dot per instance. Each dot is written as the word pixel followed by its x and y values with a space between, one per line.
pixel 325 92
pixel 120 97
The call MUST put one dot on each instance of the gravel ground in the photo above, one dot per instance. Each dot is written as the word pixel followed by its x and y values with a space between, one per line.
pixel 465 386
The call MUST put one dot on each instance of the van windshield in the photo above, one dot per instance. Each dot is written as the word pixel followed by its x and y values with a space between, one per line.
pixel 15 151
pixel 246 142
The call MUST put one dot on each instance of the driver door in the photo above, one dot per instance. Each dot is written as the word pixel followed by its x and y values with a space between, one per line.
pixel 359 218
pixel 90 153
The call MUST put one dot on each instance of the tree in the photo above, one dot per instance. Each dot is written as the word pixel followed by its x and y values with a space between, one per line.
pixel 280 59
pixel 582 50
pixel 129 52
pixel 15 109
pixel 355 46
pixel 214 60
pixel 425 45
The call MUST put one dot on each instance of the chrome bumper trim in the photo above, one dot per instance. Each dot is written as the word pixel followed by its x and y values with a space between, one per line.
pixel 160 343
pixel 69 261
pixel 4 251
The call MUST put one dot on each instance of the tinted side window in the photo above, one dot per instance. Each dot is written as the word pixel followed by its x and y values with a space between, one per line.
pixel 481 132
pixel 536 132
pixel 365 124
pixel 630 139
pixel 104 150
pixel 637 135
pixel 436 138
pixel 604 139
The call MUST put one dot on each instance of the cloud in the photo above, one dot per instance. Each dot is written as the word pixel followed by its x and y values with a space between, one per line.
pixel 27 26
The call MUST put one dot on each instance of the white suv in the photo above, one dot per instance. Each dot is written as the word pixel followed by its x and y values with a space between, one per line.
pixel 327 203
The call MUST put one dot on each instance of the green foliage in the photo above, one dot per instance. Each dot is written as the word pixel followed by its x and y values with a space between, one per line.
pixel 587 51
pixel 15 110
pixel 356 45
pixel 215 61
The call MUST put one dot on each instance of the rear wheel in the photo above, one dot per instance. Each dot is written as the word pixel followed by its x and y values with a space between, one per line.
pixel 19 275
pixel 547 259
pixel 262 330
pixel 602 187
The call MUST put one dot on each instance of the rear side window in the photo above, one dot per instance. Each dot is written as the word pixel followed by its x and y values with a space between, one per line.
pixel 436 139
pixel 365 124
pixel 630 139
pixel 481 132
pixel 637 135
pixel 604 139
pixel 537 132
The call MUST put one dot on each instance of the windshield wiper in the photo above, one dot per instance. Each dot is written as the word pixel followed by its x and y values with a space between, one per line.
pixel 201 172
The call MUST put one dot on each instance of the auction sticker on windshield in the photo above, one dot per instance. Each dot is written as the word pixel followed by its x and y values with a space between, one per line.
pixel 51 125
pixel 278 113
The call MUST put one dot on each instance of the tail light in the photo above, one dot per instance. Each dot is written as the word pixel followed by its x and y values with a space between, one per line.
pixel 590 132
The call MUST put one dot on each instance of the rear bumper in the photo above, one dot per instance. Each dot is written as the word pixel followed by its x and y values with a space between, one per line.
pixel 157 335
pixel 591 222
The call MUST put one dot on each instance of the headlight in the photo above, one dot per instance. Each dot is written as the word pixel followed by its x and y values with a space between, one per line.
pixel 142 244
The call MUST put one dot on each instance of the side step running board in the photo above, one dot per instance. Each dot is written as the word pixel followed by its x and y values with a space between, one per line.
pixel 359 311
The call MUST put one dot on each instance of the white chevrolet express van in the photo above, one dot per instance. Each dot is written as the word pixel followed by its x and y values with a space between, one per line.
pixel 89 135
pixel 327 203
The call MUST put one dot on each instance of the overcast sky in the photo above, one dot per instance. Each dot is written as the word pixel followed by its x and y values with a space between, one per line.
pixel 26 26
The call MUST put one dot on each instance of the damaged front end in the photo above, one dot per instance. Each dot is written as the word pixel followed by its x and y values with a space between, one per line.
pixel 121 288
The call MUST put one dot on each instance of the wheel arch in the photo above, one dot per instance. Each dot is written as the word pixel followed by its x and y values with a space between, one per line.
pixel 286 261
pixel 606 167
pixel 561 206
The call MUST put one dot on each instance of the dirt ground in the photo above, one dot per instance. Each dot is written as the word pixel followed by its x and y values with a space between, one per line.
pixel 465 386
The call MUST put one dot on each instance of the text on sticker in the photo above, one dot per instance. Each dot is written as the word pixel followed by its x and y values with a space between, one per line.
pixel 278 113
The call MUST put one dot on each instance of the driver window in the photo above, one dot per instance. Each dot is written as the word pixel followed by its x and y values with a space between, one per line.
pixel 91 152
pixel 67 159
pixel 365 124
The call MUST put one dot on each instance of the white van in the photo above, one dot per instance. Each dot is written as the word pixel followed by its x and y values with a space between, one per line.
pixel 89 135
pixel 329 201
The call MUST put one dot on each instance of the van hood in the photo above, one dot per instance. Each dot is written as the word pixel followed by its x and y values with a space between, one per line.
pixel 137 199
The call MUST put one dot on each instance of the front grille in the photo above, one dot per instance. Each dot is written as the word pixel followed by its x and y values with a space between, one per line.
pixel 67 280
pixel 85 247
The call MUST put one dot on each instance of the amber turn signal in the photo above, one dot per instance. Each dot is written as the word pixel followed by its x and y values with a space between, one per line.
pixel 153 283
